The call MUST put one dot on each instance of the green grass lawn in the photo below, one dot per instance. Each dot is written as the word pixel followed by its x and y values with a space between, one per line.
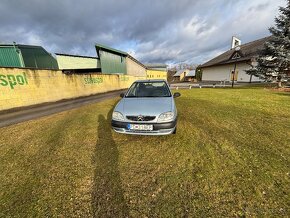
pixel 230 157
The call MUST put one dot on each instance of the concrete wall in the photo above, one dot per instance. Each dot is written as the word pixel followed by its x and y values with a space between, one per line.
pixel 24 87
pixel 223 72
pixel 135 69
pixel 156 74
pixel 70 62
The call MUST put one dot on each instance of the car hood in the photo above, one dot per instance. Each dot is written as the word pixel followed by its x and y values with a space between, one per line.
pixel 145 106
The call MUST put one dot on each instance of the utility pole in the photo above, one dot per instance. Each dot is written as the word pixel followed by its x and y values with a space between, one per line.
pixel 235 67
pixel 233 74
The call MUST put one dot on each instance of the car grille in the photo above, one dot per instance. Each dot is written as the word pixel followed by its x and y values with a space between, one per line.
pixel 141 118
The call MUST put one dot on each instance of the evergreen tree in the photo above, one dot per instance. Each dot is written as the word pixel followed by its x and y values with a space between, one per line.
pixel 275 58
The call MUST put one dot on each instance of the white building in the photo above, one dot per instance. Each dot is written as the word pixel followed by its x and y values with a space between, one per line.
pixel 239 59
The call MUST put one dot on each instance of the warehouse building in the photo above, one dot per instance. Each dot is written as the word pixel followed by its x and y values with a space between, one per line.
pixel 156 71
pixel 109 61
pixel 156 74
pixel 67 62
pixel 135 67
pixel 222 67
pixel 26 56
pixel 112 61
pixel 160 67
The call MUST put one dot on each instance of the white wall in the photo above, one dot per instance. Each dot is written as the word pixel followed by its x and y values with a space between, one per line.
pixel 223 72
pixel 134 69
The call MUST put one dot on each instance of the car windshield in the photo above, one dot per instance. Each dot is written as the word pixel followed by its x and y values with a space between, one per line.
pixel 148 89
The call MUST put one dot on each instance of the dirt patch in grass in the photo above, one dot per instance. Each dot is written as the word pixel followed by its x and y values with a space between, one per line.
pixel 282 89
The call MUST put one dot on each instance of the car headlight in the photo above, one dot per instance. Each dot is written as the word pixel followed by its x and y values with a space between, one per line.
pixel 167 116
pixel 117 116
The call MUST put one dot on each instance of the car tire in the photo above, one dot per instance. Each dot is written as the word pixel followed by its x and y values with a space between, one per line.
pixel 175 130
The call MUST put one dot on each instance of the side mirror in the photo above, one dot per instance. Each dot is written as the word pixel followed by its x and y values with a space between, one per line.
pixel 122 95
pixel 176 94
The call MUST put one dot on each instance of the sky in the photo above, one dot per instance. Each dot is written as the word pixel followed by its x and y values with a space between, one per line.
pixel 153 31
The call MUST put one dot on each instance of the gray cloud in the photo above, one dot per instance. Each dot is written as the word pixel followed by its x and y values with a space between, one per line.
pixel 154 31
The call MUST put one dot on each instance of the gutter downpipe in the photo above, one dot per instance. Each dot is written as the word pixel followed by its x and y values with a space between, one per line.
pixel 18 51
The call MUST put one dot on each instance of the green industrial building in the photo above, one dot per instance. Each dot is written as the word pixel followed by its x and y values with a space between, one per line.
pixel 108 61
pixel 112 60
pixel 26 56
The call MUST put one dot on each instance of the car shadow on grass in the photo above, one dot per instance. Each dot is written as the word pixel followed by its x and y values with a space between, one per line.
pixel 107 195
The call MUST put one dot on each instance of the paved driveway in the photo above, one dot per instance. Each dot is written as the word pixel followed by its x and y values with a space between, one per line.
pixel 34 112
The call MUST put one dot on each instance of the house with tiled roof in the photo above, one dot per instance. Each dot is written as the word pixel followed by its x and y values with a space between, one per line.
pixel 180 75
pixel 234 62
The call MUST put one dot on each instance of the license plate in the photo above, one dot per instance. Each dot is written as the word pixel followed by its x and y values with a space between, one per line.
pixel 140 127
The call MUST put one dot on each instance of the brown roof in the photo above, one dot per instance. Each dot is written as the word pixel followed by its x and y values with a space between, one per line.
pixel 247 52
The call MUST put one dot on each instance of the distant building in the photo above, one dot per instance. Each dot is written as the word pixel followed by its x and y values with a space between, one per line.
pixel 161 67
pixel 156 71
pixel 190 76
pixel 26 56
pixel 156 74
pixel 69 62
pixel 180 75
pixel 221 68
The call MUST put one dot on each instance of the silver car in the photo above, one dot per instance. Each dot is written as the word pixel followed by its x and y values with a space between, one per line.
pixel 147 108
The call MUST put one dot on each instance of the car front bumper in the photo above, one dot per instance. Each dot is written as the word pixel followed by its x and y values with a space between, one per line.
pixel 158 128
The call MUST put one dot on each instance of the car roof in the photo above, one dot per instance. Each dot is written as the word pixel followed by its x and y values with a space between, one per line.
pixel 151 80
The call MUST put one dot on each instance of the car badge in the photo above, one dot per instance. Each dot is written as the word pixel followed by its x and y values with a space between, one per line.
pixel 140 118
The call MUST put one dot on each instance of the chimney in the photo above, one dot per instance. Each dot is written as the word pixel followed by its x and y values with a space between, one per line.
pixel 235 42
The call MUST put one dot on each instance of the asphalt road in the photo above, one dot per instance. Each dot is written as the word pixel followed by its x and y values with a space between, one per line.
pixel 31 113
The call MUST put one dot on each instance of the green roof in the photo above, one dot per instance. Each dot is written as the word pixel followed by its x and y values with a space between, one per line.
pixel 28 56
pixel 109 49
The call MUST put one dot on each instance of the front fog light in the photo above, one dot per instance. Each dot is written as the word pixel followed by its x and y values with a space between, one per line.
pixel 167 116
pixel 117 116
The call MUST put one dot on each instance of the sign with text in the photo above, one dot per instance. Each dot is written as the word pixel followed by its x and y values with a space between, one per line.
pixel 93 80
pixel 13 80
